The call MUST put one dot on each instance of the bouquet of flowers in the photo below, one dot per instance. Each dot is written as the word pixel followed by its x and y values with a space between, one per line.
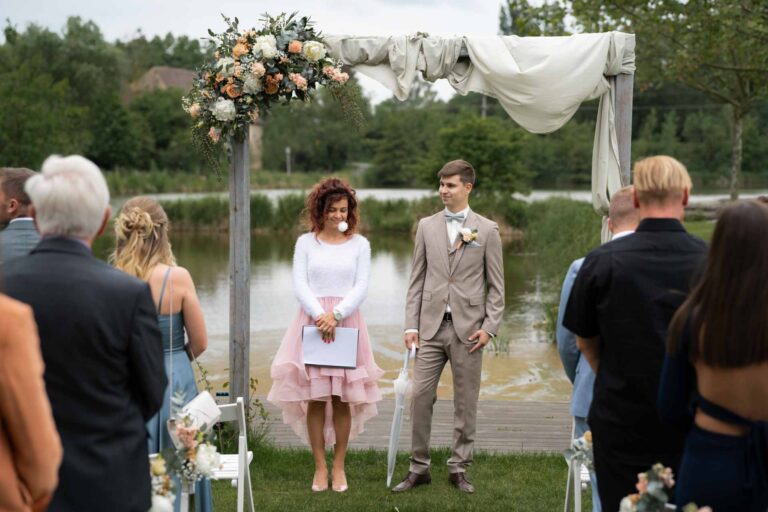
pixel 651 496
pixel 252 70
pixel 193 457
pixel 581 451
pixel 163 495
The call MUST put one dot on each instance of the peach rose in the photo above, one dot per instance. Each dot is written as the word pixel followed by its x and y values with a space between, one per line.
pixel 194 110
pixel 340 77
pixel 239 50
pixel 271 86
pixel 232 90
pixel 258 70
pixel 214 134
pixel 298 80
pixel 294 46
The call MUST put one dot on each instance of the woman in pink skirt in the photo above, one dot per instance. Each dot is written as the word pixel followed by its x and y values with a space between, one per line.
pixel 331 267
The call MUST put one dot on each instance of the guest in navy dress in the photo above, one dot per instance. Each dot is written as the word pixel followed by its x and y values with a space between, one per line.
pixel 144 250
pixel 715 375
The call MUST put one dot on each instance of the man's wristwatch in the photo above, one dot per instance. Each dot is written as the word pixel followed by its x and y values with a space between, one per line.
pixel 337 315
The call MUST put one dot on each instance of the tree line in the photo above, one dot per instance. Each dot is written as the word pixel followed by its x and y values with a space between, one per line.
pixel 64 92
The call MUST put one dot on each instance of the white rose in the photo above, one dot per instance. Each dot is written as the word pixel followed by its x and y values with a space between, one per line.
pixel 465 232
pixel 626 505
pixel 161 504
pixel 267 45
pixel 227 66
pixel 224 110
pixel 251 84
pixel 207 459
pixel 314 50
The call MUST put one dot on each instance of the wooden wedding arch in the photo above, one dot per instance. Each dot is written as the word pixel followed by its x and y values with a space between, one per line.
pixel 405 56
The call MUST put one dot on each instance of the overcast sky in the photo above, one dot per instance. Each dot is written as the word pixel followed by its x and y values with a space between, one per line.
pixel 122 19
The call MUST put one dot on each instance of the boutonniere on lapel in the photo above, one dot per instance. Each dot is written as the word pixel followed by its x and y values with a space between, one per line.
pixel 468 237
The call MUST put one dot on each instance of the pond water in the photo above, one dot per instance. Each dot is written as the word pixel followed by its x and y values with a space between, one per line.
pixel 524 367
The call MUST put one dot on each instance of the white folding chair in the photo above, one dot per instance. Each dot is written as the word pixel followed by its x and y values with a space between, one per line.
pixel 578 480
pixel 234 467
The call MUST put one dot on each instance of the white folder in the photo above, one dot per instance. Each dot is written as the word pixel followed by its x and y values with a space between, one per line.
pixel 341 353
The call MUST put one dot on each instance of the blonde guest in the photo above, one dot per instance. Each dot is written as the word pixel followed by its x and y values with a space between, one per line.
pixel 143 249
pixel 30 448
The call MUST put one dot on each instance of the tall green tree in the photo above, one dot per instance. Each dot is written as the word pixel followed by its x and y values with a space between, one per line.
pixel 521 18
pixel 38 117
pixel 714 46
pixel 494 148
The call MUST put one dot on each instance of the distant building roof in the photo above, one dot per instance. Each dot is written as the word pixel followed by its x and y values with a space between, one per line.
pixel 161 77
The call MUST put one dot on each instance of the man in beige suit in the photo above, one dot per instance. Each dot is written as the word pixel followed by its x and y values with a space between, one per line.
pixel 454 307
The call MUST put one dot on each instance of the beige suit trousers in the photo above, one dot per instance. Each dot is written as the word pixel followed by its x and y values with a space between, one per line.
pixel 430 360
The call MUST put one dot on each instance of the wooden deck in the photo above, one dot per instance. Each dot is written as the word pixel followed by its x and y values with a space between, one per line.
pixel 502 427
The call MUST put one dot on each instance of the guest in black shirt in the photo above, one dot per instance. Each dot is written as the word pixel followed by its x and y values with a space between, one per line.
pixel 622 301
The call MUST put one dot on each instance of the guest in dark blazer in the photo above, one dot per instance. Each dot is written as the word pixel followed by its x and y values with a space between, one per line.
pixel 715 376
pixel 100 342
pixel 19 235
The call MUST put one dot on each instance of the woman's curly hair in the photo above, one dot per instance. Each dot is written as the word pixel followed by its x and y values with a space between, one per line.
pixel 323 195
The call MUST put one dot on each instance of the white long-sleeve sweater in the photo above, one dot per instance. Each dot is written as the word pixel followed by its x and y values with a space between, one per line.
pixel 327 270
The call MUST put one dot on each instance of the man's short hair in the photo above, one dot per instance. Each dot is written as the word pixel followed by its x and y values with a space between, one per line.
pixel 70 197
pixel 12 180
pixel 659 178
pixel 622 210
pixel 461 167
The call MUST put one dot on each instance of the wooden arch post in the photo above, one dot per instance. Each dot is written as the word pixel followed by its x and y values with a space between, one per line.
pixel 239 270
pixel 623 84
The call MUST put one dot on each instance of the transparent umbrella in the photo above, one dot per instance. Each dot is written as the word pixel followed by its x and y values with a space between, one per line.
pixel 401 384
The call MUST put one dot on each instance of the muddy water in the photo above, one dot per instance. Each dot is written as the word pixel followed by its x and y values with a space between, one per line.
pixel 525 365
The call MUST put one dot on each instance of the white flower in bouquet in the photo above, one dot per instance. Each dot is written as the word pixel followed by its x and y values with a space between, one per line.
pixel 207 459
pixel 267 45
pixel 252 84
pixel 224 110
pixel 343 226
pixel 162 504
pixel 628 503
pixel 227 66
pixel 314 50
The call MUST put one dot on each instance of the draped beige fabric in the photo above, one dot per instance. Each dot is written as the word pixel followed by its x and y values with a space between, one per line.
pixel 539 81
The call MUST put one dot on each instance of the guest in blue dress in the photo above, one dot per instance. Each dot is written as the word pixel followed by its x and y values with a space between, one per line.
pixel 715 375
pixel 144 250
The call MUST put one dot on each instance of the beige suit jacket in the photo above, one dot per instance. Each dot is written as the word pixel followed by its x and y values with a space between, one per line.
pixel 473 286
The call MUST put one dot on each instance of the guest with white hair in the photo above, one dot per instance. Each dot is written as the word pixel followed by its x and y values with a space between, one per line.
pixel 100 342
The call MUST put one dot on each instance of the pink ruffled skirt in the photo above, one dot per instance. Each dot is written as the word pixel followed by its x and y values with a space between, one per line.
pixel 294 384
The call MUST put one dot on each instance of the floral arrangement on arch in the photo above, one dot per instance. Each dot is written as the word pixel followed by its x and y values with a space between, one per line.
pixel 652 492
pixel 252 70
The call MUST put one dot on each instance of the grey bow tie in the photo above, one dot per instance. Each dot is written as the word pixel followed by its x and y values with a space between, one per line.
pixel 458 217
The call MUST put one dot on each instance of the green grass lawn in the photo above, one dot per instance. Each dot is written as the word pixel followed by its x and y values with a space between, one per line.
pixel 519 482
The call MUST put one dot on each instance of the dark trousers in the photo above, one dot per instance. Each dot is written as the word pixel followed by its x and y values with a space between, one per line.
pixel 723 472
pixel 620 453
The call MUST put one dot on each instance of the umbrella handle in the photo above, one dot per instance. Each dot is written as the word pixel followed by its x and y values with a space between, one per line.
pixel 412 354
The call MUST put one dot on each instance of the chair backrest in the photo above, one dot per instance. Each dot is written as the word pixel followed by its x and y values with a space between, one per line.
pixel 235 412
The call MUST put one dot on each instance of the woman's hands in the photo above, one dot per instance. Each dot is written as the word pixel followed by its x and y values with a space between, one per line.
pixel 327 323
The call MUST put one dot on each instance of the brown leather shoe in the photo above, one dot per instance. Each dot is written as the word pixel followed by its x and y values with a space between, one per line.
pixel 412 480
pixel 459 480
